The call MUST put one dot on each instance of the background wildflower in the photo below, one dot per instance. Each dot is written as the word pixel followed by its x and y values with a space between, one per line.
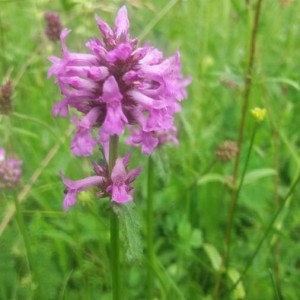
pixel 10 170
pixel 53 25
pixel 226 151
pixel 258 114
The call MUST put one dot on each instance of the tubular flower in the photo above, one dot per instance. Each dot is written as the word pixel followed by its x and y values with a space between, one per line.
pixel 120 187
pixel 117 185
pixel 117 84
pixel 10 170
pixel 72 188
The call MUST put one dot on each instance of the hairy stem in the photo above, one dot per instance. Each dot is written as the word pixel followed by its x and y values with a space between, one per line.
pixel 30 262
pixel 114 228
pixel 149 219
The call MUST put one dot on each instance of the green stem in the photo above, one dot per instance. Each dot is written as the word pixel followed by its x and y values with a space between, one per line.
pixel 237 192
pixel 21 226
pixel 149 218
pixel 246 96
pixel 114 228
pixel 268 230
pixel 232 213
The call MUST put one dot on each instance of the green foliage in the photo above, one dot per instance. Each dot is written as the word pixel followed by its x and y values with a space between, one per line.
pixel 70 251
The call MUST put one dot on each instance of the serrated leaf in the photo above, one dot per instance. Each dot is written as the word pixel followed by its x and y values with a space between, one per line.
pixel 130 229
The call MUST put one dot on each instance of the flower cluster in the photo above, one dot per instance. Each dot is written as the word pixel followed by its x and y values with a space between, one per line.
pixel 118 84
pixel 117 185
pixel 115 86
pixel 10 170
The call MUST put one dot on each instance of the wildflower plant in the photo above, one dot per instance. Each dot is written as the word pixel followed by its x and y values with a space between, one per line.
pixel 118 88
pixel 10 170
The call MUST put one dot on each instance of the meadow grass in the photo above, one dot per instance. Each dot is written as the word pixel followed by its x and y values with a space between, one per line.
pixel 69 255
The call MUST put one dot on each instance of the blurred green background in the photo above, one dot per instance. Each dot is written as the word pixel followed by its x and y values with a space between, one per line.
pixel 71 250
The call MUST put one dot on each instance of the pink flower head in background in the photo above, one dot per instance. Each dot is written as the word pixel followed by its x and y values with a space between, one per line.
pixel 6 91
pixel 117 84
pixel 53 25
pixel 10 170
pixel 117 186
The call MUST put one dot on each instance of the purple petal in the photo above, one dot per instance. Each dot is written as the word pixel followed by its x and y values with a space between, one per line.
pixel 145 139
pixel 98 73
pixel 145 100
pixel 133 174
pixel 82 143
pixel 115 119
pixel 69 200
pixel 122 22
pixel 2 154
pixel 74 187
pixel 120 194
pixel 119 53
pixel 111 90
pixel 61 108
pixel 106 31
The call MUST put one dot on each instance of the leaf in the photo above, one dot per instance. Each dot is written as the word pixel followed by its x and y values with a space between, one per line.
pixel 24 132
pixel 239 291
pixel 211 178
pixel 214 256
pixel 196 239
pixel 184 229
pixel 258 174
pixel 130 229
pixel 287 81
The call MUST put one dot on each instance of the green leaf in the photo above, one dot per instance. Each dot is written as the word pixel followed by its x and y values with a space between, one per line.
pixel 196 239
pixel 287 81
pixel 211 178
pixel 184 229
pixel 130 230
pixel 239 291
pixel 258 174
pixel 214 256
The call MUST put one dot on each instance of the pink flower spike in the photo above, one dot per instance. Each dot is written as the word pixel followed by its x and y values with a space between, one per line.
pixel 129 84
